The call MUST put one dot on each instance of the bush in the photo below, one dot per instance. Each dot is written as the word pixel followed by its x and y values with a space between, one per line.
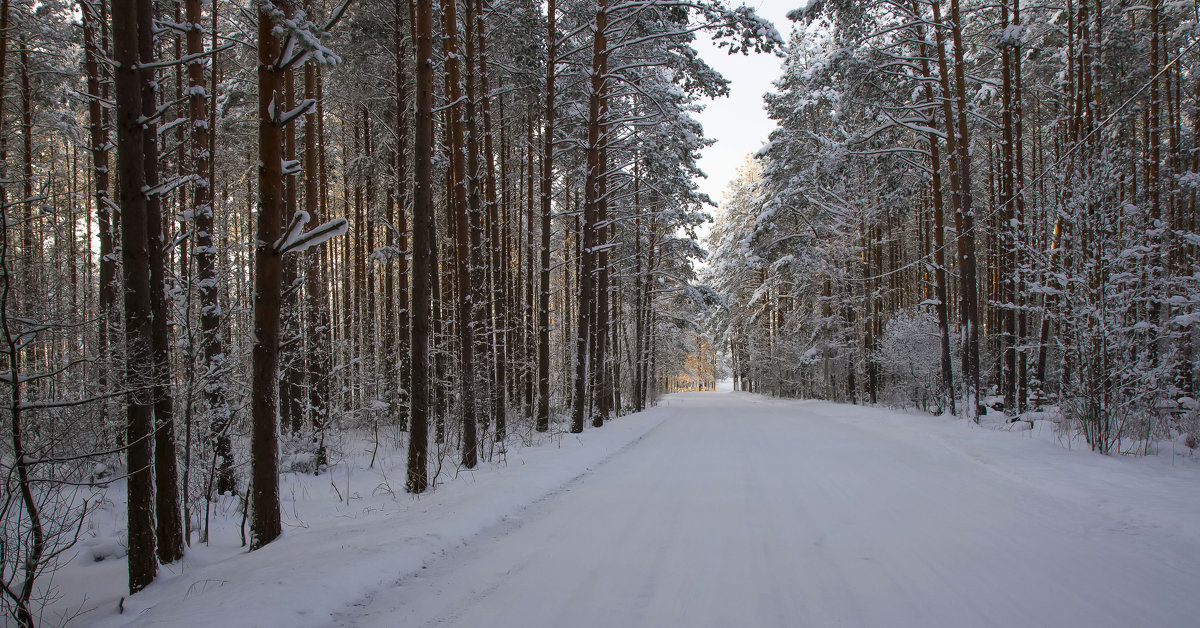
pixel 910 354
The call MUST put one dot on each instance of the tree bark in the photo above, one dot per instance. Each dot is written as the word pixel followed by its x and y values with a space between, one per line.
pixel 264 392
pixel 478 260
pixel 169 522
pixel 543 323
pixel 587 297
pixel 403 400
pixel 424 241
pixel 966 236
pixel 135 257
pixel 496 294
pixel 462 235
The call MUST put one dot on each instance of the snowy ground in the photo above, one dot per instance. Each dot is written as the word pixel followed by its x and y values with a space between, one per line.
pixel 719 509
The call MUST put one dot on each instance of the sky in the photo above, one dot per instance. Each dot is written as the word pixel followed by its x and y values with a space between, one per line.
pixel 738 122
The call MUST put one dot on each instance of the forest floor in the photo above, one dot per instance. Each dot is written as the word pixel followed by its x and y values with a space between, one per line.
pixel 713 509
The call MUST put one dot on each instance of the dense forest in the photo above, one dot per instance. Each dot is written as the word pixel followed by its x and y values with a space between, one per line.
pixel 238 234
pixel 236 230
pixel 971 207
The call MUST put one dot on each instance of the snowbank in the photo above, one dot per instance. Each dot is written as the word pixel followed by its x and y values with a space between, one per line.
pixel 332 553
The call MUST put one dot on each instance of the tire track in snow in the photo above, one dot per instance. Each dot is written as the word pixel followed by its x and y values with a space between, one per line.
pixel 764 513
pixel 440 559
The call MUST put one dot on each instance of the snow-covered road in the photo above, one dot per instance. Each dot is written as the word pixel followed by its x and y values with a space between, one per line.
pixel 743 511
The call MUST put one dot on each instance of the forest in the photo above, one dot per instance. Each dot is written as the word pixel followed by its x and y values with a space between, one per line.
pixel 975 207
pixel 238 234
pixel 234 230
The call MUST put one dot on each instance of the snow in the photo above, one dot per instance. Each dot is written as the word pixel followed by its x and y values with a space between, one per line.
pixel 331 553
pixel 752 512
pixel 1011 35
pixel 714 509
pixel 296 240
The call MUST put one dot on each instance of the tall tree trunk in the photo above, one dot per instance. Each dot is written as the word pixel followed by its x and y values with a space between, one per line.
pixel 401 226
pixel 603 322
pixel 98 136
pixel 366 251
pixel 1156 225
pixel 964 215
pixel 356 258
pixel 478 260
pixel 966 236
pixel 424 243
pixel 291 354
pixel 30 244
pixel 592 192
pixel 1007 236
pixel 462 233
pixel 529 310
pixel 1019 237
pixel 939 226
pixel 135 257
pixel 205 254
pixel 639 402
pixel 169 522
pixel 646 355
pixel 319 337
pixel 264 435
pixel 496 294
pixel 542 423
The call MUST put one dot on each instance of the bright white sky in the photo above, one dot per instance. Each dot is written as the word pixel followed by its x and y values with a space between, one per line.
pixel 739 123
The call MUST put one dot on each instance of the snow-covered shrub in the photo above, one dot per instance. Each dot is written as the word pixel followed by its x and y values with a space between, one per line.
pixel 910 352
